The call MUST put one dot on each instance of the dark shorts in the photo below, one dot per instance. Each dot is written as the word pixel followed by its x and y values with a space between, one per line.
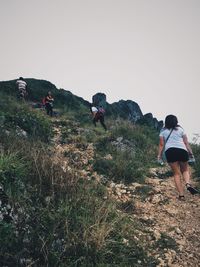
pixel 176 154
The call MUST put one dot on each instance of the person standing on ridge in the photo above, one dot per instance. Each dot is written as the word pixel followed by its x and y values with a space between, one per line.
pixel 98 115
pixel 177 151
pixel 49 104
pixel 22 88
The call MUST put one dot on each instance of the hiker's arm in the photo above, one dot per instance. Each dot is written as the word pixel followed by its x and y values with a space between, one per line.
pixel 185 140
pixel 160 147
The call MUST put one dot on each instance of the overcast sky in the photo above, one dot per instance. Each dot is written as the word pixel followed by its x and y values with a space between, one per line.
pixel 147 51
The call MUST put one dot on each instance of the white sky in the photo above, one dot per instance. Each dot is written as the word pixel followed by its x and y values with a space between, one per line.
pixel 147 51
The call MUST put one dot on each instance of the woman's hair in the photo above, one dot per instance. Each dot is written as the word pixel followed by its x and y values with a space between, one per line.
pixel 171 122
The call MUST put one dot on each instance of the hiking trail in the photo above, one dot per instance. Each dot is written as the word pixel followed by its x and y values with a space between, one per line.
pixel 173 224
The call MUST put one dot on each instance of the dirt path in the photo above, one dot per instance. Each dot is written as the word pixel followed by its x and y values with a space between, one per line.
pixel 178 219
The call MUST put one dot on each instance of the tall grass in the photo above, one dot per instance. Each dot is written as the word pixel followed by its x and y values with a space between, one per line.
pixel 60 219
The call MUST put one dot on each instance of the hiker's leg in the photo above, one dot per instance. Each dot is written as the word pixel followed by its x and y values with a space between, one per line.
pixel 185 171
pixel 47 108
pixel 94 121
pixel 50 110
pixel 102 123
pixel 177 176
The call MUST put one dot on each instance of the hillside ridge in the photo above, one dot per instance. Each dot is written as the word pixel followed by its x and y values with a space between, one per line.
pixel 126 109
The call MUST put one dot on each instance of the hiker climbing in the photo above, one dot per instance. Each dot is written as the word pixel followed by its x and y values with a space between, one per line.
pixel 22 88
pixel 174 142
pixel 98 115
pixel 49 104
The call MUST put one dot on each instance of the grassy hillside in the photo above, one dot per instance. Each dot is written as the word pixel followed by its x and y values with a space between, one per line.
pixel 66 101
pixel 56 210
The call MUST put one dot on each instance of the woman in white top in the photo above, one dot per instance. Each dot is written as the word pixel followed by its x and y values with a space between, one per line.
pixel 98 115
pixel 177 150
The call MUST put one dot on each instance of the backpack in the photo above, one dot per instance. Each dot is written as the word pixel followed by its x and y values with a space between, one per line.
pixel 44 101
pixel 101 110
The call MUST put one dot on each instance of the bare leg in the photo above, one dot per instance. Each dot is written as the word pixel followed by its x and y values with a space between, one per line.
pixel 185 171
pixel 94 121
pixel 177 177
pixel 102 123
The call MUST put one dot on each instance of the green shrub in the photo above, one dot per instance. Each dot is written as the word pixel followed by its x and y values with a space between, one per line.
pixel 196 166
pixel 18 116
pixel 141 135
pixel 9 244
pixel 166 242
pixel 131 163
pixel 124 167
pixel 13 171
pixel 143 191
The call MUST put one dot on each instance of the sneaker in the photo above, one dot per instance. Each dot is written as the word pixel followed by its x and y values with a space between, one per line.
pixel 191 189
pixel 191 160
pixel 181 198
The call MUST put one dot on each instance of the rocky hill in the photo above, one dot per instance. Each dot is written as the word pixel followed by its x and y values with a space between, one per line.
pixel 128 110
pixel 167 226
pixel 75 195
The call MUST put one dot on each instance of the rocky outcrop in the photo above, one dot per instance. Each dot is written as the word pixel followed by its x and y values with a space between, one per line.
pixel 149 120
pixel 99 99
pixel 128 110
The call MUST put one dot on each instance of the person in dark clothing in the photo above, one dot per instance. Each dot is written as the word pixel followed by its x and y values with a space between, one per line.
pixel 98 115
pixel 49 104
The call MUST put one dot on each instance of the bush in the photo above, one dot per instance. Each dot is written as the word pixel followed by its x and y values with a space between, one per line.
pixel 132 159
pixel 20 117
pixel 124 167
pixel 143 191
pixel 12 172
pixel 166 242
pixel 196 151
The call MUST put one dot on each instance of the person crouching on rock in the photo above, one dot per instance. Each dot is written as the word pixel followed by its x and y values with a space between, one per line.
pixel 173 141
pixel 49 104
pixel 98 115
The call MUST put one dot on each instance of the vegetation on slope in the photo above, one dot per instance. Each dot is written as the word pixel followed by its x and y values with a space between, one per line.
pixel 49 216
pixel 56 219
